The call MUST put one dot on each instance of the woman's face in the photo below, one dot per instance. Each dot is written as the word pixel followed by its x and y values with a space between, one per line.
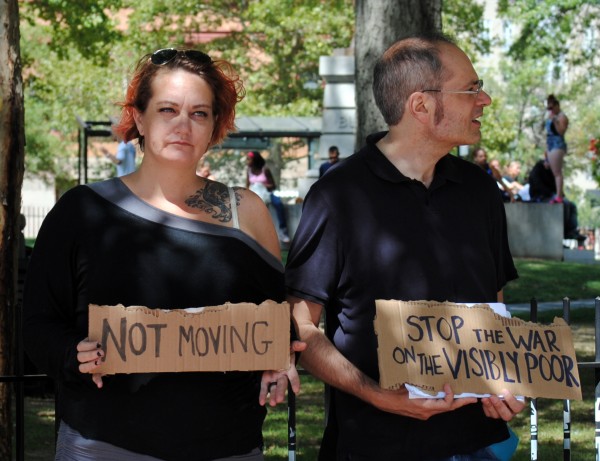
pixel 178 123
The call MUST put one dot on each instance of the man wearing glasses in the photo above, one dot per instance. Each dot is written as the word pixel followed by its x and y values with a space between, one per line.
pixel 334 157
pixel 402 219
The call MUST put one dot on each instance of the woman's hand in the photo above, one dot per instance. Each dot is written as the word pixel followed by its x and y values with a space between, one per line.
pixel 89 356
pixel 275 383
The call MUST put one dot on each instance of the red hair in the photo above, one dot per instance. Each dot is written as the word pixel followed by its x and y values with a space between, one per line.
pixel 225 83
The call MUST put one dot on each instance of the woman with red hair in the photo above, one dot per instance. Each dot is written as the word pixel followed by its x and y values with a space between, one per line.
pixel 161 237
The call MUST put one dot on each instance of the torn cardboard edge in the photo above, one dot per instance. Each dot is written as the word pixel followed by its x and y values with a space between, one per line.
pixel 230 337
pixel 428 344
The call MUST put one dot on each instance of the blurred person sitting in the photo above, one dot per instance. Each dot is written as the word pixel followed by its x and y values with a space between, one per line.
pixel 492 168
pixel 509 179
pixel 542 188
pixel 334 157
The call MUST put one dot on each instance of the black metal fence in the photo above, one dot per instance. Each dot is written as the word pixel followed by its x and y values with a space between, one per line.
pixel 34 216
pixel 21 378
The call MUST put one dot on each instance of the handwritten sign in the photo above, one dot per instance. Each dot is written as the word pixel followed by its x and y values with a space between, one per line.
pixel 475 350
pixel 241 336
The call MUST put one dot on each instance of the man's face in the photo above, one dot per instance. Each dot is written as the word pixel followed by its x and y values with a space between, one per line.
pixel 459 124
pixel 334 156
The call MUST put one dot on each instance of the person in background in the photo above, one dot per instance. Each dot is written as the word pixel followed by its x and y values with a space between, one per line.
pixel 556 125
pixel 334 157
pixel 511 173
pixel 259 179
pixel 479 158
pixel 542 188
pixel 205 171
pixel 161 237
pixel 493 168
pixel 124 158
pixel 495 165
pixel 402 219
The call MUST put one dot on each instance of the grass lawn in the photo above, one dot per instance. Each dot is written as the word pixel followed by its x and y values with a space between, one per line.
pixel 548 281
pixel 544 280
pixel 552 281
pixel 39 429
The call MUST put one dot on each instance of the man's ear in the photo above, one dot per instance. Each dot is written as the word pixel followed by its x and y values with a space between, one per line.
pixel 420 106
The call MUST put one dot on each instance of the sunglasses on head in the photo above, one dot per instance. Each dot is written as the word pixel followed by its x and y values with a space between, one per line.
pixel 162 57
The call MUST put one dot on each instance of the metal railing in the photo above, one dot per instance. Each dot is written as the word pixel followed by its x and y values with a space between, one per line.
pixel 566 403
pixel 34 216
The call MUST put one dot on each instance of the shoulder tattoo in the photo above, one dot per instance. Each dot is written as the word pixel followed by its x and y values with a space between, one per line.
pixel 213 198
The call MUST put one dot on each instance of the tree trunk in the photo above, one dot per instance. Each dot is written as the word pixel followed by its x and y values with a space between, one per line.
pixel 11 179
pixel 379 23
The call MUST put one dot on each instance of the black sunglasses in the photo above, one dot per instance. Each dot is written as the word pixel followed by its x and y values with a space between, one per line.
pixel 162 57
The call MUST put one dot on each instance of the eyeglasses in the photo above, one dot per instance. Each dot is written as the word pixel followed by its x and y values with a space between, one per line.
pixel 479 84
pixel 166 55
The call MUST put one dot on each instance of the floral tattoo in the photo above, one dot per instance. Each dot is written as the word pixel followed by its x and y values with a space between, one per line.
pixel 214 199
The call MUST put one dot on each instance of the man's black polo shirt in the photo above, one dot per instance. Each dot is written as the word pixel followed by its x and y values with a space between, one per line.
pixel 368 232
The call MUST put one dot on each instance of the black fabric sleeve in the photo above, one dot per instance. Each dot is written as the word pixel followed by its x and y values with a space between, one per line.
pixel 315 259
pixel 505 268
pixel 50 330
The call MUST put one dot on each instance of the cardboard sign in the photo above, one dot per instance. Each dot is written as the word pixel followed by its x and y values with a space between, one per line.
pixel 230 337
pixel 473 349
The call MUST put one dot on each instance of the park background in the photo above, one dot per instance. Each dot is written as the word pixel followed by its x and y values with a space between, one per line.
pixel 74 58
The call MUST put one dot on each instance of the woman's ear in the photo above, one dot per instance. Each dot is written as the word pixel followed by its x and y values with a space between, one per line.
pixel 138 119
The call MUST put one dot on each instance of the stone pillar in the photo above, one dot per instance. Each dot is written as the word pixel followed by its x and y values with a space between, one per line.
pixel 339 106
pixel 339 113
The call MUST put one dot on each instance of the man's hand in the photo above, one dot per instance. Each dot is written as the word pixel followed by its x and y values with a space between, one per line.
pixel 399 402
pixel 275 383
pixel 502 408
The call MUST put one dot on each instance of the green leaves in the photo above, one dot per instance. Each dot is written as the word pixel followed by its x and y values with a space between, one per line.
pixel 559 29
pixel 78 54
pixel 86 25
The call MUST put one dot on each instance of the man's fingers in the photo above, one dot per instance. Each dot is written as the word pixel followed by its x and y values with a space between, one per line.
pixel 298 346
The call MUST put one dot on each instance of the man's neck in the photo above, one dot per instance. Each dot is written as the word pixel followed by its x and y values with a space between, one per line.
pixel 415 160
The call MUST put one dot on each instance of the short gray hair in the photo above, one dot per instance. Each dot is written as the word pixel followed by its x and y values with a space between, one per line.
pixel 409 65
